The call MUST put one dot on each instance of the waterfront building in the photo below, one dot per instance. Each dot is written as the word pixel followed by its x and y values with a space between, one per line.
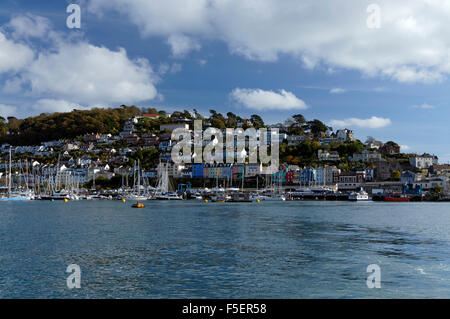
pixel 370 174
pixel 253 170
pixel 327 175
pixel 307 176
pixel 409 177
pixel 351 180
pixel 187 172
pixel 290 175
pixel 428 184
pixel 279 177
pixel 320 176
pixel 226 171
pixel 238 171
pixel 197 170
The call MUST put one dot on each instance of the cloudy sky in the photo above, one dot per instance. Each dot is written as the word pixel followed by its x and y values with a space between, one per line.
pixel 319 58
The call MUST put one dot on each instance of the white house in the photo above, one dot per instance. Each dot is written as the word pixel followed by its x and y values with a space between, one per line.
pixel 324 155
pixel 345 135
pixel 423 161
pixel 365 156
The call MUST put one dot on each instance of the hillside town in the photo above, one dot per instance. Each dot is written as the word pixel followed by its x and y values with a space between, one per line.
pixel 312 155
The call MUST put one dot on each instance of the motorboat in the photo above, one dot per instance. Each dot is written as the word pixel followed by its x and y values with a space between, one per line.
pixel 360 196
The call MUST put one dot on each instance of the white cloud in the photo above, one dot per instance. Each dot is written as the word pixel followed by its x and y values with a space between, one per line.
pixel 51 106
pixel 412 44
pixel 12 85
pixel 373 122
pixel 7 110
pixel 424 106
pixel 71 69
pixel 165 68
pixel 175 68
pixel 166 17
pixel 337 91
pixel 264 100
pixel 29 26
pixel 13 56
pixel 404 148
pixel 182 45
pixel 89 74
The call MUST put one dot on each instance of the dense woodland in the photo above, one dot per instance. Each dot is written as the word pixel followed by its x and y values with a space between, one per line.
pixel 55 126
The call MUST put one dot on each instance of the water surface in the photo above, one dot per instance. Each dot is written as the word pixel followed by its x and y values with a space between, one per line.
pixel 192 249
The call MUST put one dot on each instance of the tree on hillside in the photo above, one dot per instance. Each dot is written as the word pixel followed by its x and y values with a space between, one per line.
pixel 232 120
pixel 257 121
pixel 149 110
pixel 316 127
pixel 3 126
pixel 299 120
pixel 217 120
pixel 349 148
pixel 187 115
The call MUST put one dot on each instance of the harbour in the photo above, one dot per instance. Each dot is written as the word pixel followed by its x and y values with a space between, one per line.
pixel 192 249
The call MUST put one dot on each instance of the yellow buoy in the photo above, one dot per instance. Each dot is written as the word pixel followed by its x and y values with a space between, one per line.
pixel 205 200
pixel 124 200
pixel 257 200
pixel 65 200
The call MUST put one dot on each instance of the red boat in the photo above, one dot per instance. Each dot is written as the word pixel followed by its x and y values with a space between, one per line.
pixel 396 199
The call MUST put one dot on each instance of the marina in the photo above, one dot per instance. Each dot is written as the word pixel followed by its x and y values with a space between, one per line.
pixel 55 189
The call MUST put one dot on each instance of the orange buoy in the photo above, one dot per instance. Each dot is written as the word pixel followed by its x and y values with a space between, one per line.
pixel 138 205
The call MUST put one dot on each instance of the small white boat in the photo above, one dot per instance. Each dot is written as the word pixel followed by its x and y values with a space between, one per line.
pixel 269 197
pixel 136 197
pixel 18 196
pixel 60 195
pixel 360 196
pixel 168 196
pixel 275 198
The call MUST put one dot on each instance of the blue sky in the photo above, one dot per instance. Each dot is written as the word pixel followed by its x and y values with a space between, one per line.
pixel 276 60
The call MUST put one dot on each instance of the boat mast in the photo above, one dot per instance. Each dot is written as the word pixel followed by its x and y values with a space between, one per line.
pixel 10 172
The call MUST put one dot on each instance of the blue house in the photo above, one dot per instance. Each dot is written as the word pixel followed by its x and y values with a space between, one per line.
pixel 197 170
